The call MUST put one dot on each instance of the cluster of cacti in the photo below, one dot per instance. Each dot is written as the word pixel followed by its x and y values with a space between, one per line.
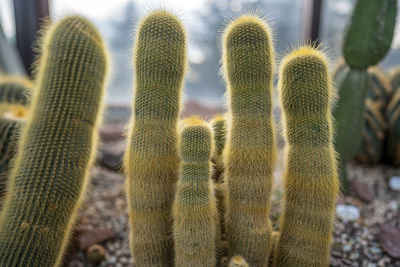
pixel 366 42
pixel 56 147
pixel 15 94
pixel 181 213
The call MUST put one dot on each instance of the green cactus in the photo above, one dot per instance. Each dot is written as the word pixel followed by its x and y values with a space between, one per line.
pixel 367 41
pixel 250 149
pixel 238 261
pixel 194 208
pixel 371 150
pixel 370 32
pixel 311 180
pixel 57 146
pixel 15 94
pixel 219 128
pixel 151 160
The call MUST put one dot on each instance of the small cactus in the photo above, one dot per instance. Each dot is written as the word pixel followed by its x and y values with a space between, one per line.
pixel 194 208
pixel 250 150
pixel 15 94
pixel 311 180
pixel 151 160
pixel 238 261
pixel 57 146
pixel 219 128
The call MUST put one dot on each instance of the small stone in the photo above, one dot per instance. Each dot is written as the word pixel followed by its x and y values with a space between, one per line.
pixel 361 191
pixel 346 248
pixel 95 236
pixel 112 260
pixel 347 212
pixel 394 183
pixel 95 253
pixel 389 237
pixel 111 133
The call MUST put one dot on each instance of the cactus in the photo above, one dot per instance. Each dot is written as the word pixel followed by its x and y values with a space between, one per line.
pixel 57 146
pixel 394 78
pixel 371 149
pixel 238 261
pixel 15 91
pixel 219 128
pixel 151 160
pixel 370 33
pixel 194 208
pixel 250 148
pixel 393 133
pixel 15 94
pixel 367 40
pixel 311 181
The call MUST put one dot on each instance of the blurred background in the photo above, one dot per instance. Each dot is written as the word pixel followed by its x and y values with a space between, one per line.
pixel 294 22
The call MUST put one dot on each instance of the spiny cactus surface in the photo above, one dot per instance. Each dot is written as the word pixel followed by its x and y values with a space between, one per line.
pixel 151 160
pixel 56 149
pixel 310 181
pixel 250 150
pixel 194 208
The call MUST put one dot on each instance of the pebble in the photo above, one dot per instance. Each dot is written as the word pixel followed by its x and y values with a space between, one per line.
pixel 394 183
pixel 347 212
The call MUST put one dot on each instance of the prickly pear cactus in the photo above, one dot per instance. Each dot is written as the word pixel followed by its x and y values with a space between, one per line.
pixel 370 32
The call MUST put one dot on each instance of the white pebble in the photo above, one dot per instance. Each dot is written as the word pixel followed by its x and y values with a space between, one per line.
pixel 347 212
pixel 394 183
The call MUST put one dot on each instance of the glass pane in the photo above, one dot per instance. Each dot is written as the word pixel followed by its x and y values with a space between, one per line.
pixel 204 21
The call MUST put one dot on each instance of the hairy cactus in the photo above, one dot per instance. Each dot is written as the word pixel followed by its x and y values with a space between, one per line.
pixel 219 128
pixel 194 208
pixel 57 146
pixel 238 261
pixel 151 160
pixel 311 181
pixel 15 94
pixel 250 149
pixel 370 33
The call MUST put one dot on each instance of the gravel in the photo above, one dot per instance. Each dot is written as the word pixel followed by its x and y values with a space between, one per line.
pixel 355 243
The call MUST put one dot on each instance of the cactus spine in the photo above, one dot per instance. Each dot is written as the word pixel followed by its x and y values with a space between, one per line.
pixel 56 149
pixel 219 128
pixel 250 149
pixel 151 160
pixel 194 208
pixel 311 181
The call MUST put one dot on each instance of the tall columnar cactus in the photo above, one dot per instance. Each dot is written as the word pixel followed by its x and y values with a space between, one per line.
pixel 151 160
pixel 15 94
pixel 366 42
pixel 194 208
pixel 57 146
pixel 311 181
pixel 250 149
